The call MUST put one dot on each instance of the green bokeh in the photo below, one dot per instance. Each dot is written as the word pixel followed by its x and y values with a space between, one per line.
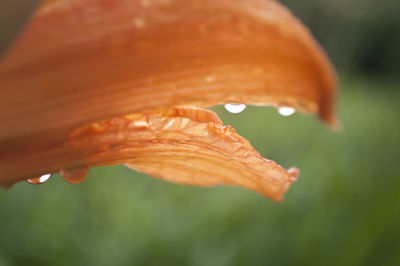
pixel 343 210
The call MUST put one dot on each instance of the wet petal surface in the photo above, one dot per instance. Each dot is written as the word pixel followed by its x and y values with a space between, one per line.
pixel 83 61
pixel 95 59
pixel 183 145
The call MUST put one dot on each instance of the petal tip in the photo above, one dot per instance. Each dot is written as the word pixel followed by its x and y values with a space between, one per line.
pixel 293 174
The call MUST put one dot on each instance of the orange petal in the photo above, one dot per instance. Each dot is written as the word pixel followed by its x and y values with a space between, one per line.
pixel 79 62
pixel 183 145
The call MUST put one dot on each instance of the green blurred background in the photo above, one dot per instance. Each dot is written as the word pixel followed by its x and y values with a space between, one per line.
pixel 343 210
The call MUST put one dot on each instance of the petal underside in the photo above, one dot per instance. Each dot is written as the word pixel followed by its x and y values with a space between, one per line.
pixel 184 145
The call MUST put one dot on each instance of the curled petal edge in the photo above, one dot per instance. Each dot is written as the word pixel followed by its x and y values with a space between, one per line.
pixel 92 60
pixel 182 145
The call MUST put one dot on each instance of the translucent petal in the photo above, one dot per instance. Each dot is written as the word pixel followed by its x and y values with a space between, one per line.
pixel 183 145
pixel 79 62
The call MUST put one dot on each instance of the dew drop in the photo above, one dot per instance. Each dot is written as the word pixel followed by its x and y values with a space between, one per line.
pixel 141 123
pixel 286 111
pixel 235 108
pixel 293 173
pixel 75 175
pixel 38 180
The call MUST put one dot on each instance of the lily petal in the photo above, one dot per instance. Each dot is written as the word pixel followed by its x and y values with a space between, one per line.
pixel 183 145
pixel 79 62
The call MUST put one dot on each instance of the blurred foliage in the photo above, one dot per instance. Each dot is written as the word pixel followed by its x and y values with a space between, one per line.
pixel 343 210
pixel 361 36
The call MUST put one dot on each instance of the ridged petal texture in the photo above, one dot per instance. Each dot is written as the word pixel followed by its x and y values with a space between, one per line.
pixel 183 145
pixel 79 62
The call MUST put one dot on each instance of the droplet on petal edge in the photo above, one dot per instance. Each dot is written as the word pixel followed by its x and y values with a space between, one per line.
pixel 286 111
pixel 235 108
pixel 38 180
pixel 75 175
pixel 294 173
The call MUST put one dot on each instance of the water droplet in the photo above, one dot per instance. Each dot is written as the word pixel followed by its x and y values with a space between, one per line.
pixel 235 108
pixel 293 173
pixel 168 125
pixel 184 122
pixel 139 124
pixel 75 175
pixel 286 111
pixel 38 180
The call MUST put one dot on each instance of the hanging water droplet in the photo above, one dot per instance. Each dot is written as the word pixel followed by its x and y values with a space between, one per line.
pixel 293 173
pixel 235 108
pixel 38 180
pixel 75 175
pixel 286 111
